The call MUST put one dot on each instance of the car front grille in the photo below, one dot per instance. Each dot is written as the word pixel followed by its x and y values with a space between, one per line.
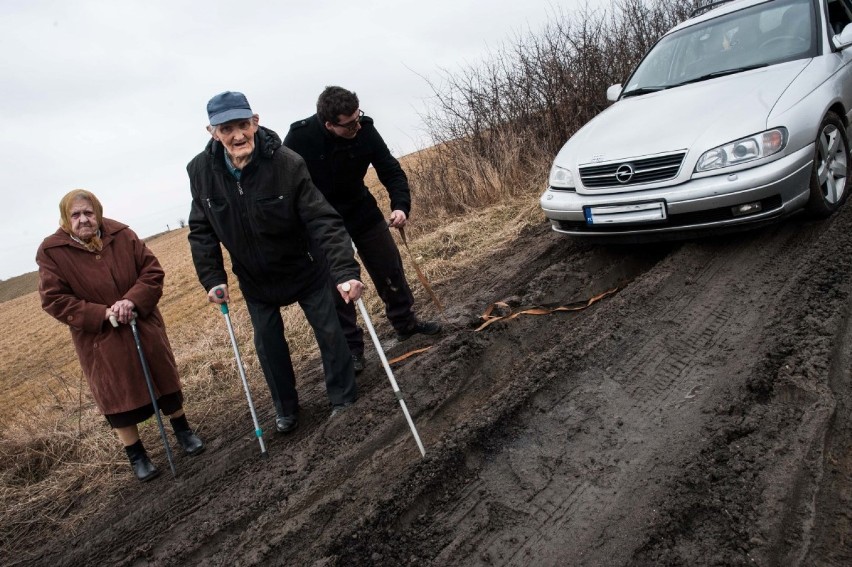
pixel 632 172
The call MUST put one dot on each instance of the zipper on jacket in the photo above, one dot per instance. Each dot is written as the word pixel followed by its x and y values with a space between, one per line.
pixel 239 188
pixel 311 258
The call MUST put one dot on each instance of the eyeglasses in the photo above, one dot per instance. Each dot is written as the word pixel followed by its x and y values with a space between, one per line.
pixel 352 125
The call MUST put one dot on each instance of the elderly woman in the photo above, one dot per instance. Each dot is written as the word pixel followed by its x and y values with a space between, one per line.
pixel 92 268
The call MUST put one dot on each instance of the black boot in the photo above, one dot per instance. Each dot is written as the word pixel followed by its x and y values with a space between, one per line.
pixel 189 441
pixel 420 327
pixel 358 362
pixel 142 465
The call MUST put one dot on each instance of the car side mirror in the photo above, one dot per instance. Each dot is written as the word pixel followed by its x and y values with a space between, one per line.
pixel 613 92
pixel 844 38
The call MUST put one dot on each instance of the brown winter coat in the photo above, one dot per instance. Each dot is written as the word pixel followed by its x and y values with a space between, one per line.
pixel 77 287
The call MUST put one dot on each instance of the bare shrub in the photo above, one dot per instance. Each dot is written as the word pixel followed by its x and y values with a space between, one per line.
pixel 497 126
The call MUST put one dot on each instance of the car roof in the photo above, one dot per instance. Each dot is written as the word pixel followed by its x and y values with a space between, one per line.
pixel 721 9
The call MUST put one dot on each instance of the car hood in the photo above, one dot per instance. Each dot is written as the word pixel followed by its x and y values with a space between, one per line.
pixel 697 116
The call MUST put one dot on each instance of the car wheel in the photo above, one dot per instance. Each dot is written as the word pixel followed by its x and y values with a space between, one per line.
pixel 832 168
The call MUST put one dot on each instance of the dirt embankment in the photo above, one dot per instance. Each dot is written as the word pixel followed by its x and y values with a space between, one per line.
pixel 699 416
pixel 18 286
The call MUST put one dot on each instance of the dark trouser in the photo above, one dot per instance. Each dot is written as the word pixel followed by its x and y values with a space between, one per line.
pixel 274 354
pixel 381 259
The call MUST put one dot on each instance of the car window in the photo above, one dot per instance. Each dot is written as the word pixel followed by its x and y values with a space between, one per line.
pixel 760 35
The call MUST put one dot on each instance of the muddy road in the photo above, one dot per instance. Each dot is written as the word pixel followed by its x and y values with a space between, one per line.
pixel 699 415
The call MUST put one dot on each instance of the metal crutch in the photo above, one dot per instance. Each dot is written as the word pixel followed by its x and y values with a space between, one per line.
pixel 366 316
pixel 257 430
pixel 150 382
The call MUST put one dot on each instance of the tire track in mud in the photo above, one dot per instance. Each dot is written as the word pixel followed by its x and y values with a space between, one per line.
pixel 757 471
pixel 652 378
pixel 514 384
pixel 677 371
pixel 608 436
pixel 832 523
pixel 713 324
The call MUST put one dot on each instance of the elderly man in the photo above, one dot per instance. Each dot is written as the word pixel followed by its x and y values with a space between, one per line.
pixel 255 197
pixel 339 143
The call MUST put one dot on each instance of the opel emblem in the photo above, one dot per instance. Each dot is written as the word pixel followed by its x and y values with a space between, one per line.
pixel 624 173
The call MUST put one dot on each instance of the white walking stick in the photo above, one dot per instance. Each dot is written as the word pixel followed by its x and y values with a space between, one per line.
pixel 257 430
pixel 366 316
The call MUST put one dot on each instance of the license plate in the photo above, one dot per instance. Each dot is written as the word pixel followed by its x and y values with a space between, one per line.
pixel 626 214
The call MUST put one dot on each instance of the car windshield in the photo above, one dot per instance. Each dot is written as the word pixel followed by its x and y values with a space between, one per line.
pixel 761 35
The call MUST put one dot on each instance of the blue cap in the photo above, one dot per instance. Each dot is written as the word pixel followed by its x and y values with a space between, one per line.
pixel 228 106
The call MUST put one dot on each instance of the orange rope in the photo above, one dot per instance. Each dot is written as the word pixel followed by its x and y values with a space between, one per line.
pixel 488 318
pixel 406 355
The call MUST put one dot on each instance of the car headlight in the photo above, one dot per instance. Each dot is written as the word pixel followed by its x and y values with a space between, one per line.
pixel 743 150
pixel 561 178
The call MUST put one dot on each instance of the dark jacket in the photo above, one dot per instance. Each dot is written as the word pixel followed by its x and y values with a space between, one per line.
pixel 338 167
pixel 77 287
pixel 273 223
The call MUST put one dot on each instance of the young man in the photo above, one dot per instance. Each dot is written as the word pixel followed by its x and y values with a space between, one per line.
pixel 256 198
pixel 339 143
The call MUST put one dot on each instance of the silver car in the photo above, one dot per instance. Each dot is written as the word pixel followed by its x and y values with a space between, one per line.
pixel 736 117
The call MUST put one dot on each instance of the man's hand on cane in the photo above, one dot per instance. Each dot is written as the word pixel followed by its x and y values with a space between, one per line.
pixel 213 297
pixel 351 290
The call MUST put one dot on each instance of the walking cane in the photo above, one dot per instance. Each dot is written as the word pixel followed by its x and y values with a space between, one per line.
pixel 366 316
pixel 150 382
pixel 257 430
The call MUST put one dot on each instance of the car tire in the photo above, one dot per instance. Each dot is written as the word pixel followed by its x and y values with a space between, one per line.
pixel 832 168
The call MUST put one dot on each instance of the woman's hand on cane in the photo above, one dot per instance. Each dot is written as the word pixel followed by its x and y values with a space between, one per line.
pixel 123 310
pixel 350 290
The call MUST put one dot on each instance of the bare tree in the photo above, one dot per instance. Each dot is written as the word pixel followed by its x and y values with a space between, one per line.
pixel 497 126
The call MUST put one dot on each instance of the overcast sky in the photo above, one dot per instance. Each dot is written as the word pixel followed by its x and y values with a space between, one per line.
pixel 110 96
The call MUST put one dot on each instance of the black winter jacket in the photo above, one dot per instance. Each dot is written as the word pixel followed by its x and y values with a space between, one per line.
pixel 338 167
pixel 273 222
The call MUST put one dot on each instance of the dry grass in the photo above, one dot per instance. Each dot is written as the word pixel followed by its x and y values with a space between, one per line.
pixel 452 178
